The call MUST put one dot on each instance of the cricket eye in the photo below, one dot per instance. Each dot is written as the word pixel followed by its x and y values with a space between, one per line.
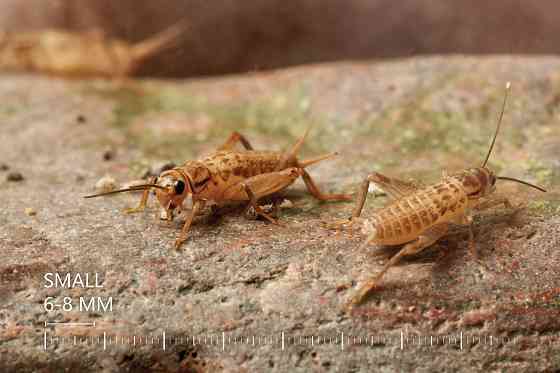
pixel 179 187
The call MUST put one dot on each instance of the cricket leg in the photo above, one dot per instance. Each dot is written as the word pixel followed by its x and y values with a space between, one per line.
pixel 349 223
pixel 259 186
pixel 253 203
pixel 268 204
pixel 395 188
pixel 362 196
pixel 427 238
pixel 233 139
pixel 467 219
pixel 315 192
pixel 495 201
pixel 143 201
pixel 198 205
pixel 472 246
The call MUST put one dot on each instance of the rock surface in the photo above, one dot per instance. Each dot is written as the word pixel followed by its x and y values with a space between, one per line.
pixel 236 278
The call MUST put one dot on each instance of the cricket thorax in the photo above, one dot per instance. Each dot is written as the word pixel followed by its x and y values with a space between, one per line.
pixel 404 219
pixel 476 182
pixel 198 174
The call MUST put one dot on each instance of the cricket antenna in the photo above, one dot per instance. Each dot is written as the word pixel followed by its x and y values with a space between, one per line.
pixel 508 85
pixel 521 182
pixel 131 189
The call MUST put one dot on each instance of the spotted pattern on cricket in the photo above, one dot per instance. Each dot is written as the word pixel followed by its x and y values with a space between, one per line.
pixel 419 216
pixel 229 176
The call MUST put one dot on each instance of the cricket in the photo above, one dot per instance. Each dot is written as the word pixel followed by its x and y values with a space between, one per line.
pixel 80 54
pixel 226 177
pixel 419 216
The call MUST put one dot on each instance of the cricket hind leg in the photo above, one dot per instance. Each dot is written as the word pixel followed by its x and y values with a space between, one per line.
pixel 269 204
pixel 233 139
pixel 315 192
pixel 256 208
pixel 395 188
pixel 260 186
pixel 427 238
pixel 349 223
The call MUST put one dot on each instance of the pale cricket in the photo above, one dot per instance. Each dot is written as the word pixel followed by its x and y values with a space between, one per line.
pixel 419 216
pixel 80 54
pixel 226 177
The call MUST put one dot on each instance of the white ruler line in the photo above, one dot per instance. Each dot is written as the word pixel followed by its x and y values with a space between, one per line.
pixel 69 323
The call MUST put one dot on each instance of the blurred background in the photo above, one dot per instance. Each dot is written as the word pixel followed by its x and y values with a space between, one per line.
pixel 228 36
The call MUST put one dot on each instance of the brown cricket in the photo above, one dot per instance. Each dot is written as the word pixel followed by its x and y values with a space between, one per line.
pixel 226 177
pixel 419 216
pixel 80 54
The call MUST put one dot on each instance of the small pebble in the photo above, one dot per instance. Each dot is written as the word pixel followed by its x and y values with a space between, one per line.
pixel 81 118
pixel 375 190
pixel 4 167
pixel 30 211
pixel 108 154
pixel 106 184
pixel 286 204
pixel 14 176
pixel 166 166
pixel 158 168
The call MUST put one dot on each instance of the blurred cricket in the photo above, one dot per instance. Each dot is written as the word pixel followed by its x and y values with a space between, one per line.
pixel 419 216
pixel 80 54
pixel 229 176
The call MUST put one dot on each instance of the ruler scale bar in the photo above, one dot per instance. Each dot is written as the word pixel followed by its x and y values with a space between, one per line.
pixel 70 323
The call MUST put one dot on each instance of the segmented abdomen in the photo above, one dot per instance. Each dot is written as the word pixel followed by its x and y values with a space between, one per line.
pixel 241 164
pixel 406 218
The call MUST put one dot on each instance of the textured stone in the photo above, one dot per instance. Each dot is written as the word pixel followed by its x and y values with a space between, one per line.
pixel 236 278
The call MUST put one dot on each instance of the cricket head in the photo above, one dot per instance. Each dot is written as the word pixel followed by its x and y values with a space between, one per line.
pixel 478 182
pixel 174 186
pixel 481 181
pixel 181 183
pixel 171 187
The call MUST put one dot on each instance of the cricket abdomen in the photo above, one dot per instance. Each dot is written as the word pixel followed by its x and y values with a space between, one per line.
pixel 408 217
pixel 243 164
